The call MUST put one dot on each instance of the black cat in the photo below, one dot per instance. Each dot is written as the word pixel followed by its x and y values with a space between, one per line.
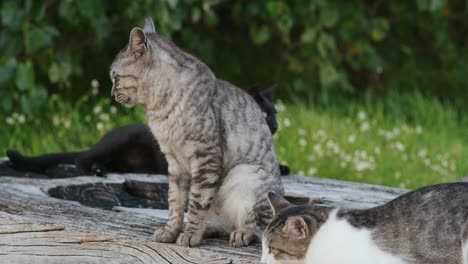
pixel 130 148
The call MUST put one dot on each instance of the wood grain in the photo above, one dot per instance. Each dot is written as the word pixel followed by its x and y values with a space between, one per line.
pixel 37 228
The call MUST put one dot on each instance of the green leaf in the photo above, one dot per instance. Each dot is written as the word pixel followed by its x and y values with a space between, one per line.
pixel 328 74
pixel 379 30
pixel 25 76
pixel 329 16
pixel 309 35
pixel 259 35
pixel 172 3
pixel 7 69
pixel 12 16
pixel 325 43
pixel 60 72
pixel 7 103
pixel 210 18
pixel 294 64
pixel 36 38
pixel 437 4
pixel 196 14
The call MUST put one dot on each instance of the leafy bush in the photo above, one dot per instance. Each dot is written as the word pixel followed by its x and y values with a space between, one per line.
pixel 309 47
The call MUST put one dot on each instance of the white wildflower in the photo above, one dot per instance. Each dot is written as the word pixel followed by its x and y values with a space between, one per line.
pixel 301 132
pixel 95 83
pixel 280 106
pixel 347 158
pixel 113 109
pixel 453 166
pixel 55 120
pixel 104 117
pixel 9 121
pixel 363 154
pixel 302 142
pixel 399 146
pixel 312 171
pixel 301 172
pixel 419 130
pixel 445 163
pixel 397 175
pixel 364 126
pixel 317 148
pixel 67 123
pixel 422 153
pixel 287 122
pixel 352 139
pixel 343 164
pixel 321 133
pixel 361 115
pixel 97 109
pixel 363 165
pixel 21 119
pixel 99 126
pixel 377 150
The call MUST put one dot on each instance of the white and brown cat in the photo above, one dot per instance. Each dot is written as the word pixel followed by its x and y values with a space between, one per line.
pixel 425 226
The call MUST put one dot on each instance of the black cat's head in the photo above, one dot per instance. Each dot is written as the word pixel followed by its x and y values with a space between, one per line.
pixel 287 238
pixel 264 99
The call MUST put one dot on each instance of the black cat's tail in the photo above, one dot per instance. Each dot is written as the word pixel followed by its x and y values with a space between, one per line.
pixel 284 170
pixel 42 162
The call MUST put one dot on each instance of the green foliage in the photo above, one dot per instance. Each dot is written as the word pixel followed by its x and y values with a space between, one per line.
pixel 311 48
pixel 405 140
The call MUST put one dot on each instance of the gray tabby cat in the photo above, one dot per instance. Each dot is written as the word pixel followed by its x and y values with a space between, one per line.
pixel 213 134
pixel 425 226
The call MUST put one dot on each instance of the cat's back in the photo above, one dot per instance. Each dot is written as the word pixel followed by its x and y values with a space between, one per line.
pixel 428 225
pixel 246 133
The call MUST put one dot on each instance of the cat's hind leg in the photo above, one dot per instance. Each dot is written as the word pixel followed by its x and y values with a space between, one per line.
pixel 237 200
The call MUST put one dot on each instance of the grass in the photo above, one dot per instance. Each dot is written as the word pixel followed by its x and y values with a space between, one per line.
pixel 404 141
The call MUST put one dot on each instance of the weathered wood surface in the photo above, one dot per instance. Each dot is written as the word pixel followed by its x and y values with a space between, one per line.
pixel 36 228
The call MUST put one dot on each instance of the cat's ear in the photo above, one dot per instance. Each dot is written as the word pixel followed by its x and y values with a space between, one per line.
pixel 296 227
pixel 269 93
pixel 278 203
pixel 149 26
pixel 137 43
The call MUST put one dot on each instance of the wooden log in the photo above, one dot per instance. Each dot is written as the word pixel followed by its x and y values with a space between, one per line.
pixel 38 228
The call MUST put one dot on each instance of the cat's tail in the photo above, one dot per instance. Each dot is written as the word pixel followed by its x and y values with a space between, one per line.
pixel 42 162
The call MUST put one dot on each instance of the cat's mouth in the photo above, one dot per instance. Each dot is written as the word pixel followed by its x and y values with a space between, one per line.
pixel 125 100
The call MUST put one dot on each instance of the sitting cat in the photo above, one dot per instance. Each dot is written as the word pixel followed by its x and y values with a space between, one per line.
pixel 130 148
pixel 425 226
pixel 215 138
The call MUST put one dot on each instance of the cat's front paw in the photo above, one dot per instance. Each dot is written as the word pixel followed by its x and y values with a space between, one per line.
pixel 162 234
pixel 189 239
pixel 242 237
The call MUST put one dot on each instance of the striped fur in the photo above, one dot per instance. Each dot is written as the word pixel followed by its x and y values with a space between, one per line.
pixel 216 141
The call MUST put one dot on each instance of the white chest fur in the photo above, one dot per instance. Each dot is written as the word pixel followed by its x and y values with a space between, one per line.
pixel 338 242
